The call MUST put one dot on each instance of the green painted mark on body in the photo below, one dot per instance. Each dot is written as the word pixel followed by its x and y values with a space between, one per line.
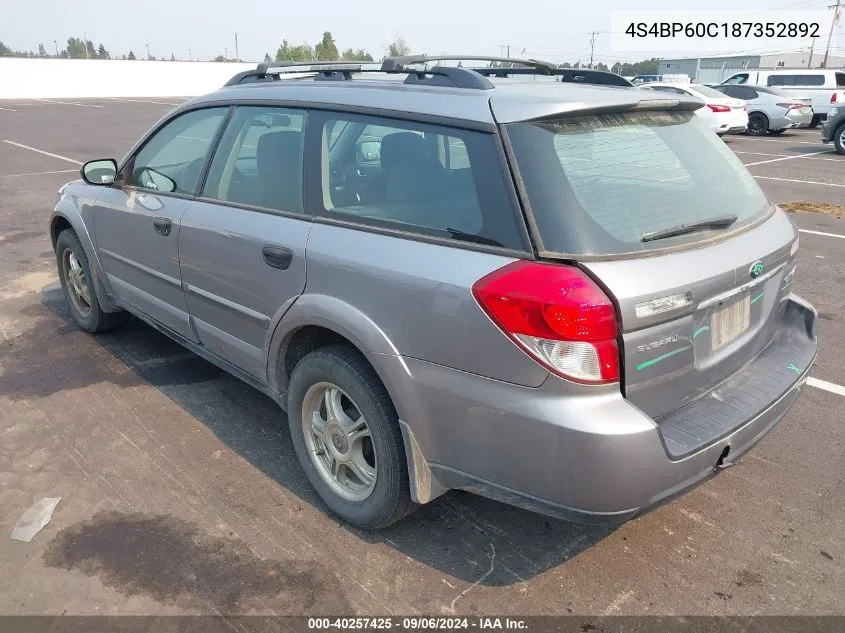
pixel 757 298
pixel 654 361
pixel 701 330
pixel 792 367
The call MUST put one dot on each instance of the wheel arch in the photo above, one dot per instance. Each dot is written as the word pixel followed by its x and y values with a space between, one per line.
pixel 66 216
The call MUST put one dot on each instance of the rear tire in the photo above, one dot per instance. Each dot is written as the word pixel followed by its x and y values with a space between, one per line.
pixel 78 287
pixel 353 455
pixel 839 139
pixel 758 124
pixel 814 122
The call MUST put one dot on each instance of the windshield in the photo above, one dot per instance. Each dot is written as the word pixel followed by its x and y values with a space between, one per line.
pixel 598 184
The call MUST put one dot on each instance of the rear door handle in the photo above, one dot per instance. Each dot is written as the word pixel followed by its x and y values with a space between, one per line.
pixel 277 257
pixel 163 226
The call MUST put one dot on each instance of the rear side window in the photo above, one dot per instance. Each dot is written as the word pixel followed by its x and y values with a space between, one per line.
pixel 598 184
pixel 840 80
pixel 259 160
pixel 796 80
pixel 432 180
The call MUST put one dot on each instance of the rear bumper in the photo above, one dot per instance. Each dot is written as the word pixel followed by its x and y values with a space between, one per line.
pixel 596 458
pixel 828 127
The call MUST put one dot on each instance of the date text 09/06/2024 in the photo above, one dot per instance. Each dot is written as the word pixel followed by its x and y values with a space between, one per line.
pixel 417 623
pixel 723 29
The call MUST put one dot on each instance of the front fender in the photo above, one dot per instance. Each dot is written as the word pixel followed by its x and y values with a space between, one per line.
pixel 67 212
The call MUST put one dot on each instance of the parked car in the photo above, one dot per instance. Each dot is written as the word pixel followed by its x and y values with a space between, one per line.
pixel 568 297
pixel 823 87
pixel 834 128
pixel 723 114
pixel 644 79
pixel 770 110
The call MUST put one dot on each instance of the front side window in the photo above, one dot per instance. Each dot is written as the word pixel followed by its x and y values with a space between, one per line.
pixel 173 158
pixel 421 178
pixel 737 79
pixel 600 184
pixel 259 160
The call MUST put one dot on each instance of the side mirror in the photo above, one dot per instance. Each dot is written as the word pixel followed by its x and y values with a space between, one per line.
pixel 369 151
pixel 99 172
pixel 149 178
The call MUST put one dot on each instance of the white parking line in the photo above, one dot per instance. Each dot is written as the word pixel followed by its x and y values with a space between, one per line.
pixel 168 103
pixel 71 103
pixel 40 173
pixel 41 151
pixel 836 160
pixel 8 109
pixel 827 386
pixel 841 237
pixel 805 182
pixel 772 140
pixel 775 160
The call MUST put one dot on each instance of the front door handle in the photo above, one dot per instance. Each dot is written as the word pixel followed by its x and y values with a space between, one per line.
pixel 163 226
pixel 277 257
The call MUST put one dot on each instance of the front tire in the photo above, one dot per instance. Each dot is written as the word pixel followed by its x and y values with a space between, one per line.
pixel 758 124
pixel 346 434
pixel 839 139
pixel 78 287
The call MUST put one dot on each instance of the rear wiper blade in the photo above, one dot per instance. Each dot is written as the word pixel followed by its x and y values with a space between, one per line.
pixel 472 237
pixel 720 222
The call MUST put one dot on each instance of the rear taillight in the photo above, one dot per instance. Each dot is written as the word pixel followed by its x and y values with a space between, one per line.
pixel 718 108
pixel 833 98
pixel 558 315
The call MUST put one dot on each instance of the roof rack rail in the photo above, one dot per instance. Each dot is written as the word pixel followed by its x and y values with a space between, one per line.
pixel 339 70
pixel 568 75
pixel 400 62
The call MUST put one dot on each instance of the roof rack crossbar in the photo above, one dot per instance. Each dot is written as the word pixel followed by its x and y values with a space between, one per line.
pixel 338 70
pixel 408 60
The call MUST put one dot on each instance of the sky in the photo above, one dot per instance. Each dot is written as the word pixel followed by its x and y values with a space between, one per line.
pixel 557 30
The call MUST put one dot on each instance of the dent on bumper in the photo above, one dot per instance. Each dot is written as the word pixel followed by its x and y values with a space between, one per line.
pixel 584 455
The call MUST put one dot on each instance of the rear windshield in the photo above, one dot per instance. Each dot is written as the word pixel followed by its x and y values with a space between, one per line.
pixel 707 91
pixel 598 184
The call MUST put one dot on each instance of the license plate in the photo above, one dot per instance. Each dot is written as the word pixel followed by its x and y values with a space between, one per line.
pixel 728 323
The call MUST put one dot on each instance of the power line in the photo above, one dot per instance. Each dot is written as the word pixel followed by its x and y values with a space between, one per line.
pixel 833 22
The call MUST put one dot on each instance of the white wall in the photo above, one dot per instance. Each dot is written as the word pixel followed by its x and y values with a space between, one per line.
pixel 77 78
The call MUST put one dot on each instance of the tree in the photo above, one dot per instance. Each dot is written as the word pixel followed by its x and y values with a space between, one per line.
pixel 219 58
pixel 326 49
pixel 76 48
pixel 398 48
pixel 132 55
pixel 359 55
pixel 89 46
pixel 616 68
pixel 102 53
pixel 566 65
pixel 172 57
pixel 42 52
pixel 601 66
pixel 267 58
pixel 5 51
pixel 301 53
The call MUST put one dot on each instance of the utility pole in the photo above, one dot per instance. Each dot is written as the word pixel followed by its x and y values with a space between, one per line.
pixel 236 47
pixel 190 57
pixel 85 42
pixel 225 54
pixel 148 51
pixel 56 42
pixel 812 48
pixel 830 35
pixel 592 47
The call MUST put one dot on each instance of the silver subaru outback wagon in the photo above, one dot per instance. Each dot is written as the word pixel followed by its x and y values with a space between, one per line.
pixel 567 296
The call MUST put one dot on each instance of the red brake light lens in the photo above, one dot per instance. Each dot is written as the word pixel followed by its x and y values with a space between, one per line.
pixel 833 97
pixel 557 314
pixel 718 108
